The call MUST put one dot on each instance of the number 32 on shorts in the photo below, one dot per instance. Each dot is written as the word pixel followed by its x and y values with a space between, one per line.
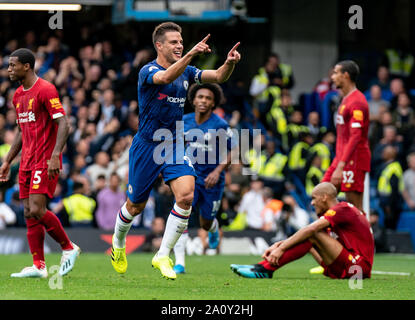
pixel 348 177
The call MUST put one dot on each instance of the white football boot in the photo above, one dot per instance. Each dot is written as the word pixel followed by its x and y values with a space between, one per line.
pixel 68 259
pixel 31 272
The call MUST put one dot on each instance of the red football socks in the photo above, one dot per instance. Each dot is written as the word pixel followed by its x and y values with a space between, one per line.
pixel 291 254
pixel 36 238
pixel 55 230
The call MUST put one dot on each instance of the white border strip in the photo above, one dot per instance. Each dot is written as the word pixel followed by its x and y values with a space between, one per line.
pixel 40 7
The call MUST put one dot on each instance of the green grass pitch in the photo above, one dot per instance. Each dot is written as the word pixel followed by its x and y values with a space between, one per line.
pixel 207 278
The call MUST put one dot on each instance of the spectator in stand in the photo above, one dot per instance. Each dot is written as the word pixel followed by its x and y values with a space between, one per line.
pixel 78 209
pixel 324 148
pixel 390 187
pixel 296 128
pixel 17 206
pixel 153 239
pixel 287 104
pixel 102 165
pixel 382 80
pixel 399 60
pixel 408 192
pixel 376 129
pixel 396 87
pixel 274 170
pixel 7 215
pixel 252 204
pixel 376 102
pixel 108 200
pixel 55 52
pixel 271 211
pixel 292 218
pixel 8 138
pixel 325 85
pixel 300 156
pixel 390 138
pixel 404 115
pixel 313 125
pixel 107 109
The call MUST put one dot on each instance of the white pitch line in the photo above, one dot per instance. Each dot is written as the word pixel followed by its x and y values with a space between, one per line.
pixel 392 273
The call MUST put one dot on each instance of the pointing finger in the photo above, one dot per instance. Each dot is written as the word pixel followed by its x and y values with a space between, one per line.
pixel 206 38
pixel 235 47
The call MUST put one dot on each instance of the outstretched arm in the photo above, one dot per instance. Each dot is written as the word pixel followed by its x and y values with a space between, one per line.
pixel 223 73
pixel 273 253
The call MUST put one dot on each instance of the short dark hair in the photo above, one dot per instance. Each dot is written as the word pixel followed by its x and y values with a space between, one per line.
pixel 162 28
pixel 25 56
pixel 351 68
pixel 77 186
pixel 214 87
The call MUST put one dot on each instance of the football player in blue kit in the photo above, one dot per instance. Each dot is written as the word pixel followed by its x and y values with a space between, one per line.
pixel 162 90
pixel 211 156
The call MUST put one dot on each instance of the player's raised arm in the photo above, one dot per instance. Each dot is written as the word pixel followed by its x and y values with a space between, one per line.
pixel 176 68
pixel 13 152
pixel 223 73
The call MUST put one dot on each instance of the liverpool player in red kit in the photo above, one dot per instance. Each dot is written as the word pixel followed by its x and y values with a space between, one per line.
pixel 342 257
pixel 352 161
pixel 43 130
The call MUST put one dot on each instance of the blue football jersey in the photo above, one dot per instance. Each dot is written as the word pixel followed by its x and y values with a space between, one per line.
pixel 208 143
pixel 160 106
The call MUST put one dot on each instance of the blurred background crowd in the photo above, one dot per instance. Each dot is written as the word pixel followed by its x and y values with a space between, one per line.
pixel 97 84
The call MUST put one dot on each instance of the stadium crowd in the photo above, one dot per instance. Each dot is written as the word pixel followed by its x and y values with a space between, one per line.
pixel 98 89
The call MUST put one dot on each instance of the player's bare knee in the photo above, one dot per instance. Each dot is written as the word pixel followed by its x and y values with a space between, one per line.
pixel 36 212
pixel 184 200
pixel 26 213
pixel 135 209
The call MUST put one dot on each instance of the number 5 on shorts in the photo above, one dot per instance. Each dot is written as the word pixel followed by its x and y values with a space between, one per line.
pixel 36 179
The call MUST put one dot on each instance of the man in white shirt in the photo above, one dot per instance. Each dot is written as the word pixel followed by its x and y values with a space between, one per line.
pixel 252 204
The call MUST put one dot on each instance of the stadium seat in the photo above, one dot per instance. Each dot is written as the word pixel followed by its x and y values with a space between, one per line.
pixel 407 223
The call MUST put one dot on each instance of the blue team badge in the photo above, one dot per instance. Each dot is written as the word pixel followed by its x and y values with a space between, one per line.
pixel 130 188
pixel 186 84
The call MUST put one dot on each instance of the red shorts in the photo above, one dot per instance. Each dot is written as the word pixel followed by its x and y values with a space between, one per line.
pixel 353 180
pixel 345 264
pixel 36 182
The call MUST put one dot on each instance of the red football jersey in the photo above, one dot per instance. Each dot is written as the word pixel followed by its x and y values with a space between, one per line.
pixel 352 126
pixel 36 109
pixel 353 230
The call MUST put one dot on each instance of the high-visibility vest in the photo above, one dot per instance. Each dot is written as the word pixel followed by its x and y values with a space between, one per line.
pixel 398 66
pixel 273 168
pixel 324 153
pixel 256 161
pixel 309 185
pixel 384 186
pixel 262 78
pixel 276 115
pixel 295 129
pixel 295 160
pixel 286 72
pixel 79 207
